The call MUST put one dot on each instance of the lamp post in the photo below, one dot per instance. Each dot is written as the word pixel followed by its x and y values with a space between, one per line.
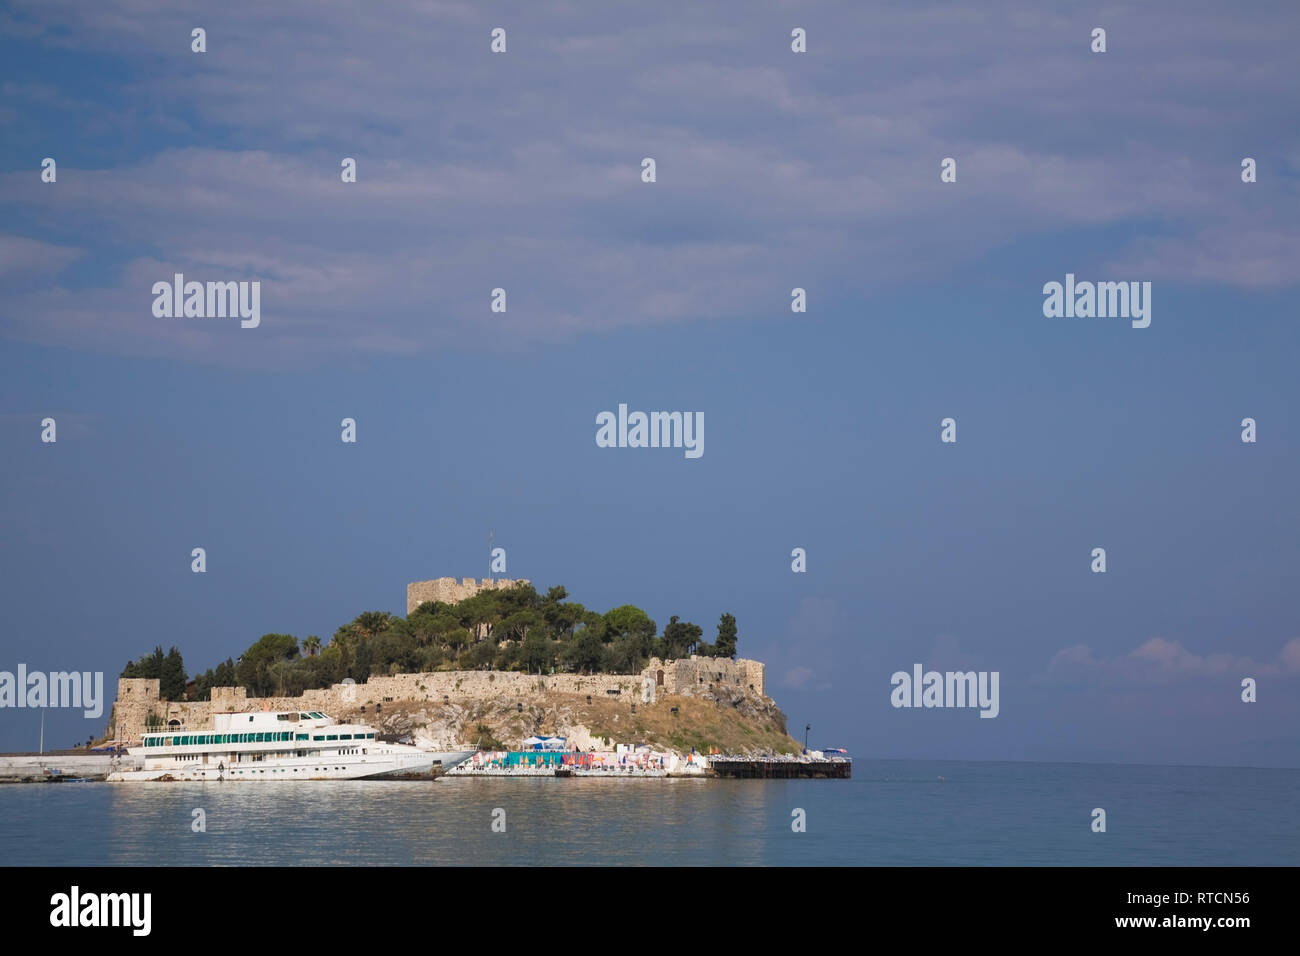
pixel 806 728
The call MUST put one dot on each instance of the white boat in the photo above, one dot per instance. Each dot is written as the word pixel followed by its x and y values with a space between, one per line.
pixel 278 745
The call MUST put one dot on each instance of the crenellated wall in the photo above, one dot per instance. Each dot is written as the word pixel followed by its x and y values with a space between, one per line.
pixel 449 591
pixel 138 698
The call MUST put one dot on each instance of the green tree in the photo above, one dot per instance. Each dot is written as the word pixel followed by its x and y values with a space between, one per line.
pixel 585 652
pixel 680 637
pixel 536 653
pixel 171 677
pixel 223 675
pixel 311 645
pixel 396 646
pixel 149 666
pixel 203 685
pixel 479 614
pixel 629 621
pixel 253 670
pixel 517 626
pixel 725 646
pixel 623 657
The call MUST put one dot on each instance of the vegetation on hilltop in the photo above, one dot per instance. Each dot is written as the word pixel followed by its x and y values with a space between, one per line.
pixel 514 629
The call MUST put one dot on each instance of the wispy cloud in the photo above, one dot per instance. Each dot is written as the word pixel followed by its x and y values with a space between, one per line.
pixel 1163 661
pixel 522 170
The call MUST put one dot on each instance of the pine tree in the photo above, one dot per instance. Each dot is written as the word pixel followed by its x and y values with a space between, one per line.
pixel 171 676
pixel 726 643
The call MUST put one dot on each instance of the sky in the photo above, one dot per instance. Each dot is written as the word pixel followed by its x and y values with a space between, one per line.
pixel 774 170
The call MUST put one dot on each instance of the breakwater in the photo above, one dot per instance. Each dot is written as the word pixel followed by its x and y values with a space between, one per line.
pixel 54 767
pixel 781 768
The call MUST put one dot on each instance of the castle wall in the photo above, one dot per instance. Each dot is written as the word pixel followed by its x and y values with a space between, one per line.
pixel 137 698
pixel 698 675
pixel 449 591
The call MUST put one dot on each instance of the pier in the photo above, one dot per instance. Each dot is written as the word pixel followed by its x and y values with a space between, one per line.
pixel 781 768
pixel 56 766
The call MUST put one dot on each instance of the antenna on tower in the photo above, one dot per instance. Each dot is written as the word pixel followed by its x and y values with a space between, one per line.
pixel 489 554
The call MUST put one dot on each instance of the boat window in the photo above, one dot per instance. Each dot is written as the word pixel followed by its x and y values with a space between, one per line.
pixel 345 736
pixel 300 736
pixel 331 736
pixel 304 716
pixel 318 737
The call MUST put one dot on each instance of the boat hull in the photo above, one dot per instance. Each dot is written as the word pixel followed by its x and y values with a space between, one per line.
pixel 319 768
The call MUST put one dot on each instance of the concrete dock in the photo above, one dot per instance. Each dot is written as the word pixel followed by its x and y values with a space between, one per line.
pixel 60 765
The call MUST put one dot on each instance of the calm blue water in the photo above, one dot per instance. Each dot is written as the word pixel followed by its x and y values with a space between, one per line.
pixel 891 813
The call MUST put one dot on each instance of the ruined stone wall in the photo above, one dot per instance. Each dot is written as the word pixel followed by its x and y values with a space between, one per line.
pixel 449 591
pixel 137 698
pixel 696 675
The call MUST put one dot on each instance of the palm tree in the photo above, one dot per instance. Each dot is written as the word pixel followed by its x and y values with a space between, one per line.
pixel 370 623
pixel 311 644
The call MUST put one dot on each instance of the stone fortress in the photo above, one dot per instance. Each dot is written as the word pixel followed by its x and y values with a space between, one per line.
pixel 138 698
pixel 448 591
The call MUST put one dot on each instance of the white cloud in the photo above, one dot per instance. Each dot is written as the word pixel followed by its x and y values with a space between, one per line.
pixel 1160 661
pixel 522 170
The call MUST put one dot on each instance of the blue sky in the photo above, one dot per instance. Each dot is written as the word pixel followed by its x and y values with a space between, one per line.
pixel 775 170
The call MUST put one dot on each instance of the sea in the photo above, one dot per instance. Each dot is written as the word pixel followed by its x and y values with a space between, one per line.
pixel 891 813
